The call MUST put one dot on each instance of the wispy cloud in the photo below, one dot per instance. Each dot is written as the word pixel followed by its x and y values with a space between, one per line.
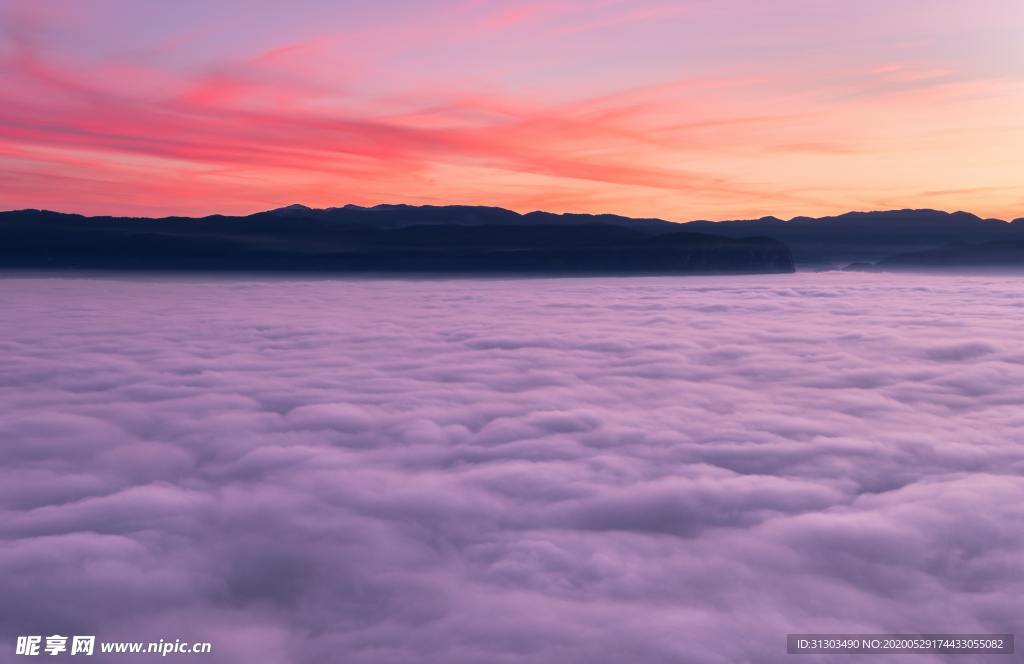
pixel 372 110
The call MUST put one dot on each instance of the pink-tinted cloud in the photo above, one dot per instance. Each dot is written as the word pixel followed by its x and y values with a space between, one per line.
pixel 598 470
pixel 695 110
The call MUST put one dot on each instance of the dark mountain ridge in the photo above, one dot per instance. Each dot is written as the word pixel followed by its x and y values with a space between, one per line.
pixel 1007 254
pixel 868 236
pixel 292 239
pixel 823 242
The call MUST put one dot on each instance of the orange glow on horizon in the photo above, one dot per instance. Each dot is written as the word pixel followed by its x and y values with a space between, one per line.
pixel 675 110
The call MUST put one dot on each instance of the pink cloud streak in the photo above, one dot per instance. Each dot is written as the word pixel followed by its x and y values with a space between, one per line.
pixel 338 115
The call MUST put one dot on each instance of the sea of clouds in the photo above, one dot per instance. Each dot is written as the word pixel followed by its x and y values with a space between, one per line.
pixel 467 471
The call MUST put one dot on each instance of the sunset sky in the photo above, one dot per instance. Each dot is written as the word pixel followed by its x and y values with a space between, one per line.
pixel 687 109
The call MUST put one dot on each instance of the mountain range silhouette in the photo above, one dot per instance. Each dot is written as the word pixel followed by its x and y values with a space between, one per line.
pixel 407 238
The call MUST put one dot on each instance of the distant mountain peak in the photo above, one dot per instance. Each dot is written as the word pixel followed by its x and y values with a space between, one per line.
pixel 294 207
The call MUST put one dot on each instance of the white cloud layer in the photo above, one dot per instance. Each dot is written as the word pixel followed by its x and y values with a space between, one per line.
pixel 605 470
